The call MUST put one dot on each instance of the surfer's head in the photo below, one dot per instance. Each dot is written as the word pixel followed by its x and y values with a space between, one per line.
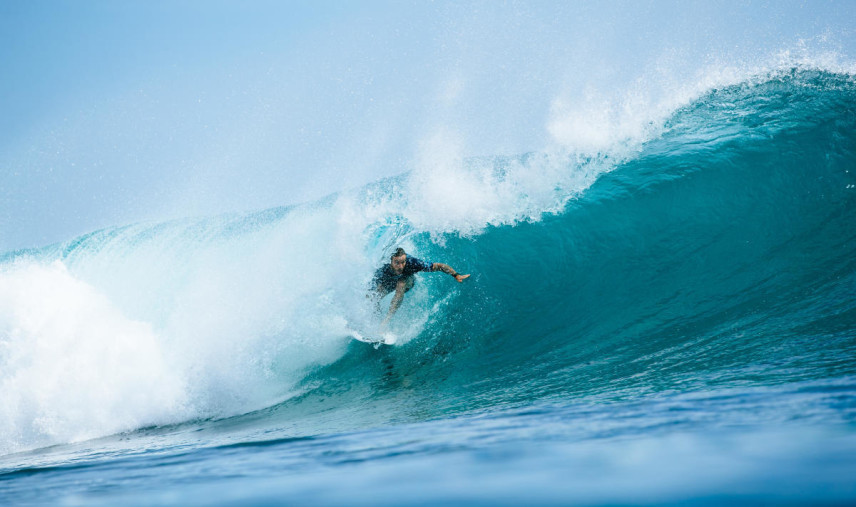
pixel 397 260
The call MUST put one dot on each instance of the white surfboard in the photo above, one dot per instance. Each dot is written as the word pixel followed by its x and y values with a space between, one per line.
pixel 376 340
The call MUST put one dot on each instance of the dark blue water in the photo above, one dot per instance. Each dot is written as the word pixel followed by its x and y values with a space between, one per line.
pixel 669 321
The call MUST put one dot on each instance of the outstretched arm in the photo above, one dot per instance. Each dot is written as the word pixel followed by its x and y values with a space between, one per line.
pixel 445 268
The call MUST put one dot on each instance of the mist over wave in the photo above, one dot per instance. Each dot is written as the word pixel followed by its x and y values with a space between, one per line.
pixel 706 239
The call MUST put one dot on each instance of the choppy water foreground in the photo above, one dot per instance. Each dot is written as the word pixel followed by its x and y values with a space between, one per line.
pixel 781 445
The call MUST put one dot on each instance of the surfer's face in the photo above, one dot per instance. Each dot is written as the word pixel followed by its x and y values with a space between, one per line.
pixel 398 264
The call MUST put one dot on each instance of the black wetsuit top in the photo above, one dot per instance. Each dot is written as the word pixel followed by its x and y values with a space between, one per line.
pixel 386 278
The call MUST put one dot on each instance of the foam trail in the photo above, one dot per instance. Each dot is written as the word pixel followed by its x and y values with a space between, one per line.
pixel 153 324
pixel 73 365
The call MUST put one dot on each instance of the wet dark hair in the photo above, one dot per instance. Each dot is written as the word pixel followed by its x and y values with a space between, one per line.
pixel 398 253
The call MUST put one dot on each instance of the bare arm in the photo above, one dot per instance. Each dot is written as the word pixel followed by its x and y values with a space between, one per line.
pixel 445 268
pixel 400 289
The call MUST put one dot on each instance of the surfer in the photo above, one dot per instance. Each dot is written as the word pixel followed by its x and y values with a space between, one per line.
pixel 398 276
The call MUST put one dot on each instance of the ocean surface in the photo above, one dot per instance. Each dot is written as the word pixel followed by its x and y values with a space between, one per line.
pixel 668 320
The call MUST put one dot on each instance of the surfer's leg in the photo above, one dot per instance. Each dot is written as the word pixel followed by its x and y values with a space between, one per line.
pixel 408 283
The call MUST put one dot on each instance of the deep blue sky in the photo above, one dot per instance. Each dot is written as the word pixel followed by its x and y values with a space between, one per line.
pixel 113 112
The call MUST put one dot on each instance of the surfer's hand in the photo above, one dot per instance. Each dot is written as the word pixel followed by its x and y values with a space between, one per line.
pixel 461 278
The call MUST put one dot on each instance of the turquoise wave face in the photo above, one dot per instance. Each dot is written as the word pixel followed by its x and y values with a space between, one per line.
pixel 722 255
pixel 720 252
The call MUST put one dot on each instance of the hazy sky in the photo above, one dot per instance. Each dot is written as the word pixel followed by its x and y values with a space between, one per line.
pixel 113 112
